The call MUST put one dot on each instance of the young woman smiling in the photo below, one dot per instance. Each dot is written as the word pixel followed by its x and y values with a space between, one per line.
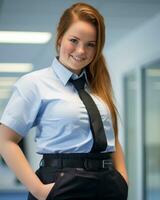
pixel 80 161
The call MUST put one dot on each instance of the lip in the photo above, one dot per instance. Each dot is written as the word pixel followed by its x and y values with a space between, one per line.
pixel 78 59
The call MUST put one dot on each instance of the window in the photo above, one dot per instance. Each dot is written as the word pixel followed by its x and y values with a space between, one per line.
pixel 142 132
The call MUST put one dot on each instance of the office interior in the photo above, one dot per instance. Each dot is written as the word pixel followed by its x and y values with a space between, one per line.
pixel 132 51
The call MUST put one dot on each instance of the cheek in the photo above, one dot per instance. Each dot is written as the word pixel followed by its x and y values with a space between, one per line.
pixel 67 48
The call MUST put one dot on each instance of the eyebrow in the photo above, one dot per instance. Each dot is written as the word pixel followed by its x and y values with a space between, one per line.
pixel 79 38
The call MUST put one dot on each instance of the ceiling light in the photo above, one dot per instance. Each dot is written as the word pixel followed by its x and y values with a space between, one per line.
pixel 15 67
pixel 4 93
pixel 153 72
pixel 6 82
pixel 24 37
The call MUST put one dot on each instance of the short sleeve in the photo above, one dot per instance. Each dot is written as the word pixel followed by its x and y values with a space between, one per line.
pixel 22 108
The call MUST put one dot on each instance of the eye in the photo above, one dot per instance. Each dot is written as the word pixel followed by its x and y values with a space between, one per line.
pixel 74 41
pixel 91 44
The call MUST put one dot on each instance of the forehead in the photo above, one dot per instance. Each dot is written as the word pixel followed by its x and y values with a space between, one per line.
pixel 82 30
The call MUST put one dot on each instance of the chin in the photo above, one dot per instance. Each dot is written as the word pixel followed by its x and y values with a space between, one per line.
pixel 77 70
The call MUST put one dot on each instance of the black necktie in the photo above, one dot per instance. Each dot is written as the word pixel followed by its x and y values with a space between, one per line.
pixel 100 142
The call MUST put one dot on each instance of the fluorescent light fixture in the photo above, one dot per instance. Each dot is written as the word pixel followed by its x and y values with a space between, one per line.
pixel 153 72
pixel 24 37
pixel 4 93
pixel 15 67
pixel 6 82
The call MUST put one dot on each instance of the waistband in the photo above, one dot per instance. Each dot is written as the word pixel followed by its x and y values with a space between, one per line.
pixel 90 161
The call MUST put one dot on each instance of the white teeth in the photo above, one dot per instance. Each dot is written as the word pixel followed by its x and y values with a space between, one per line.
pixel 77 58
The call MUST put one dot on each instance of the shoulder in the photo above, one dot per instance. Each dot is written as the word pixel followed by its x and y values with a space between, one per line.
pixel 35 75
pixel 33 78
pixel 29 85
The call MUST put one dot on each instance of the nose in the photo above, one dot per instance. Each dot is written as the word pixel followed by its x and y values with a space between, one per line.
pixel 80 49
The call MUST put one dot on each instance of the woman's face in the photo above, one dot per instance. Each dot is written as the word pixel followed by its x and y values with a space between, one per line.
pixel 77 47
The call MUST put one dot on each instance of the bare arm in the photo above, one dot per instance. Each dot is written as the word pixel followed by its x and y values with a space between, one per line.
pixel 119 161
pixel 16 160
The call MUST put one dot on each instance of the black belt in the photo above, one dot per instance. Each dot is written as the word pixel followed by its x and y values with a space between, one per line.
pixel 77 160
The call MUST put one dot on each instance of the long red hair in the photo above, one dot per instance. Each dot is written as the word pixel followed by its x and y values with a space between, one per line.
pixel 97 72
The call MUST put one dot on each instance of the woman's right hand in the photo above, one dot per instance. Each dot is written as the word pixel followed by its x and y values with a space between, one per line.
pixel 16 160
pixel 45 190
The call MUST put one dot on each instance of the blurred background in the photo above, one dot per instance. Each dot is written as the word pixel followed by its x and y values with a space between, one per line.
pixel 132 50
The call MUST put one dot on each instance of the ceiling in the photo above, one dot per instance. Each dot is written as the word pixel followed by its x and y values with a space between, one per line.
pixel 121 17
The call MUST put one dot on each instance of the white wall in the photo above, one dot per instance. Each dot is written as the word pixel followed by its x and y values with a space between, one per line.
pixel 137 49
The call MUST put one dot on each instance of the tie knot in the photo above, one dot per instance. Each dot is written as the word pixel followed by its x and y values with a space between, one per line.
pixel 78 83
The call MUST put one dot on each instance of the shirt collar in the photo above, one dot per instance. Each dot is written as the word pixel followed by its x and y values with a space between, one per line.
pixel 65 74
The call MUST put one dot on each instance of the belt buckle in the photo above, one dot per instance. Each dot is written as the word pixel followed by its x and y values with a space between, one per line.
pixel 105 163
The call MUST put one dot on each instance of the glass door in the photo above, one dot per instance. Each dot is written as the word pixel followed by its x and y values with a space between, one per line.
pixel 131 146
pixel 152 133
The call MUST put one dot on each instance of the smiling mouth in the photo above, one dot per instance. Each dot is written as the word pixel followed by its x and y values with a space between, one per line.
pixel 78 59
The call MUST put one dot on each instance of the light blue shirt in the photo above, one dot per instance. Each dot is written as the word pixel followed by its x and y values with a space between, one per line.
pixel 46 99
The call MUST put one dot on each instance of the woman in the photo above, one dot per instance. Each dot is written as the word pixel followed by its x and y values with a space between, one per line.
pixel 79 162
